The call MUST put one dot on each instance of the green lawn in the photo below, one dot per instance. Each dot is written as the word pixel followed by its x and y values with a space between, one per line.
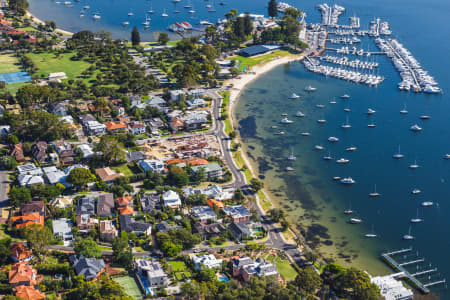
pixel 47 62
pixel 104 248
pixel 9 64
pixel 123 169
pixel 130 286
pixel 14 87
pixel 177 266
pixel 252 61
pixel 286 270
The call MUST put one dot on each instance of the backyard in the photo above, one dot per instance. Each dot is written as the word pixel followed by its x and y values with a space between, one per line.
pixel 284 267
pixel 179 270
pixel 124 169
pixel 130 286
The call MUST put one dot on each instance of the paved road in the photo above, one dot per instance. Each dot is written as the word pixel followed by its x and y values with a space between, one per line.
pixel 4 181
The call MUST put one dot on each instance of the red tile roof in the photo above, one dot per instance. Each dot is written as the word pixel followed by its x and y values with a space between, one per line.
pixel 20 252
pixel 115 126
pixel 29 293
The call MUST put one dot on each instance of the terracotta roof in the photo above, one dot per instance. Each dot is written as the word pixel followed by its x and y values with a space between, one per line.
pixel 176 122
pixel 136 125
pixel 29 293
pixel 20 252
pixel 17 152
pixel 107 174
pixel 27 219
pixel 214 202
pixel 22 272
pixel 126 210
pixel 124 201
pixel 114 125
pixel 6 22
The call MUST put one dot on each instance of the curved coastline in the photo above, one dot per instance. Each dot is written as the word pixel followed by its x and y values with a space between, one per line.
pixel 39 21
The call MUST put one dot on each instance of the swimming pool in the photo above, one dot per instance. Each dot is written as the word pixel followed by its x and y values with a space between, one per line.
pixel 223 278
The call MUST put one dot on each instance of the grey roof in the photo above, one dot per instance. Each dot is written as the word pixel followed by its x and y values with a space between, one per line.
pixel 62 227
pixel 89 267
pixel 212 167
pixel 105 204
pixel 203 212
pixel 130 225
pixel 243 261
pixel 237 211
pixel 240 228
pixel 253 50
pixel 135 156
pixel 149 202
pixel 87 118
pixel 86 205
pixel 165 227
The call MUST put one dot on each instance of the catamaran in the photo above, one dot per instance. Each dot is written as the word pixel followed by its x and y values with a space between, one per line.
pixel 408 236
pixel 374 193
pixel 417 219
pixel 398 155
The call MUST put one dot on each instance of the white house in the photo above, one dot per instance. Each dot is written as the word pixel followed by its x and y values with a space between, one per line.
pixel 152 164
pixel 171 199
pixel 86 150
pixel 153 272
pixel 207 260
pixel 137 127
pixel 175 95
pixel 57 76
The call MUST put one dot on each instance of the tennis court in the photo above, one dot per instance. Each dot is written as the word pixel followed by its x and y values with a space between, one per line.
pixel 15 77
pixel 130 286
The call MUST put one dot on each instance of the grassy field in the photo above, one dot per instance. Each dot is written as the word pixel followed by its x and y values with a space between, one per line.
pixel 130 286
pixel 9 64
pixel 50 63
pixel 252 61
pixel 123 169
pixel 177 266
pixel 14 87
pixel 284 267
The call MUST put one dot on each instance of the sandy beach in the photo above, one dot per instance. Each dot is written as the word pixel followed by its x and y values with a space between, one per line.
pixel 39 21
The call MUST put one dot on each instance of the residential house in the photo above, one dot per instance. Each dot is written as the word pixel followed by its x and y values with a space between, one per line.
pixel 158 103
pixel 54 175
pixel 115 127
pixel 135 100
pixel 206 260
pixel 17 153
pixel 260 268
pixel 62 228
pixel 94 128
pixel 29 293
pixel 164 227
pixel 212 170
pixel 239 263
pixel 26 180
pixel 155 124
pixel 152 165
pixel 59 109
pixel 137 127
pixel 213 203
pixel 105 205
pixel 175 95
pixel 108 231
pixel 195 120
pixel 152 271
pixel 197 93
pixel 176 124
pixel 61 202
pixel 238 213
pixel 26 220
pixel 149 203
pixel 23 274
pixel 86 150
pixel 107 175
pixel 135 156
pixel 30 169
pixel 20 253
pixel 208 231
pixel 91 268
pixel 39 151
pixel 244 229
pixel 85 223
pixel 171 199
pixel 128 224
pixel 212 192
pixel 65 151
pixel 86 206
pixel 33 207
pixel 197 102
pixel 203 214
pixel 86 118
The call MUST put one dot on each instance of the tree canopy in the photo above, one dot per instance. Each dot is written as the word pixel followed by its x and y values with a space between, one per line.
pixel 88 248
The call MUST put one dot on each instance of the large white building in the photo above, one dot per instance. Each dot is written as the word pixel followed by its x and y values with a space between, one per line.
pixel 207 260
pixel 171 199
pixel 392 289
pixel 153 272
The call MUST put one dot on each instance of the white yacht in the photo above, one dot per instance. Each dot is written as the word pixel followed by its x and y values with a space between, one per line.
pixel 416 191
pixel 446 156
pixel 351 149
pixel 371 125
pixel 306 133
pixel 374 193
pixel 328 157
pixel 408 236
pixel 415 128
pixel 372 234
pixel 371 111
pixel 398 155
pixel 292 156
pixel 345 96
pixel 130 14
pixel 294 96
pixel 404 111
pixel 333 139
pixel 286 121
pixel 279 133
pixel 347 180
pixel 289 169
pixel 427 204
pixel 346 125
pixel 414 165
pixel 299 114
pixel 417 219
pixel 321 121
pixel 164 14
pixel 126 23
pixel 342 161
pixel 424 117
pixel 310 89
pixel 355 220
pixel 318 147
pixel 320 105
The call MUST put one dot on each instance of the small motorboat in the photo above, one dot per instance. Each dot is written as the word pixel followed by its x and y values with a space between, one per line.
pixel 415 128
pixel 336 178
pixel 321 121
pixel 347 110
pixel 333 139
pixel 347 180
pixel 294 96
pixel 370 111
pixel 289 169
pixel 318 147
pixel 351 149
pixel 299 114
pixel 427 204
pixel 424 117
pixel 279 133
pixel 310 89
pixel 446 156
pixel 345 96
pixel 306 133
pixel 371 125
pixel 342 161
pixel 286 121
pixel 416 191
pixel 355 220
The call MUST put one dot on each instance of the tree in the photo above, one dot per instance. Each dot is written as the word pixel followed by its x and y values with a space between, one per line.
pixel 113 150
pixel 39 237
pixel 8 162
pixel 273 9
pixel 177 176
pixel 19 195
pixel 256 184
pixel 207 274
pixel 122 251
pixel 135 37
pixel 18 6
pixel 88 248
pixel 163 38
pixel 248 24
pixel 308 281
pixel 198 176
pixel 5 250
pixel 80 177
pixel 276 214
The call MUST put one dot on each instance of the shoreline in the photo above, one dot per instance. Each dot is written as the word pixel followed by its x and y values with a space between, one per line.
pixel 39 21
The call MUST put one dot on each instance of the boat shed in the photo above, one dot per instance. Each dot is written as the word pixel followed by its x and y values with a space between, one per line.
pixel 254 50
